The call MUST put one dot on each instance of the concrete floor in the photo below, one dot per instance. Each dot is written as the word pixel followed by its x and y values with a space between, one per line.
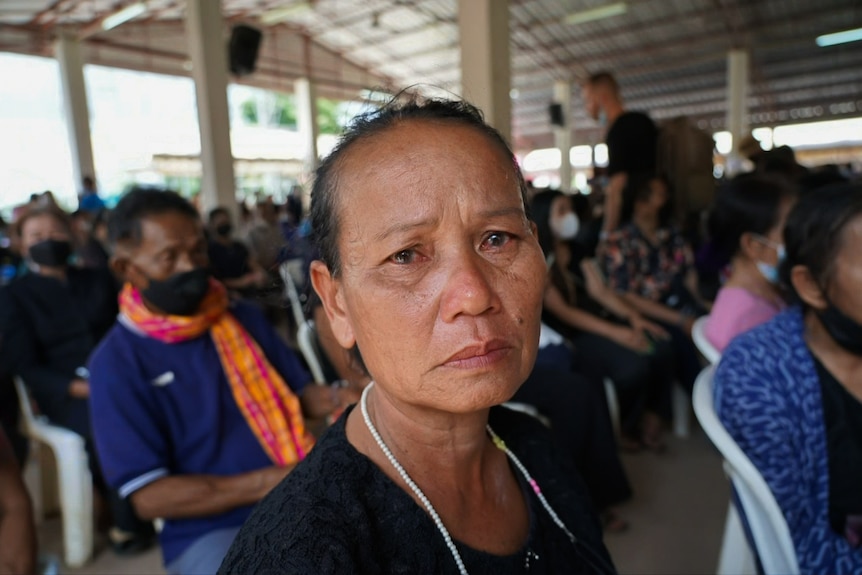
pixel 676 516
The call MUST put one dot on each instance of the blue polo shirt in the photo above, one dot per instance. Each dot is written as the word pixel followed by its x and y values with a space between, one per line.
pixel 163 409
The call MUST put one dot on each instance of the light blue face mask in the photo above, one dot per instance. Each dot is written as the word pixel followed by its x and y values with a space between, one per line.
pixel 769 271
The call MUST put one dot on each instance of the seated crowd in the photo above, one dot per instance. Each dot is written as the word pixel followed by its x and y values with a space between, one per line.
pixel 155 335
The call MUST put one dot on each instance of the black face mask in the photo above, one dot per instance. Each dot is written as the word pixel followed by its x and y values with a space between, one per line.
pixel 180 294
pixel 224 230
pixel 51 253
pixel 844 330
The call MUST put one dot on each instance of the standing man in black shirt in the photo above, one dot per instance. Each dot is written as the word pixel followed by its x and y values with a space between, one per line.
pixel 631 140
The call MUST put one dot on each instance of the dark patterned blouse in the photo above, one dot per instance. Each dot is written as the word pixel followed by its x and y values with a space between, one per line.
pixel 634 264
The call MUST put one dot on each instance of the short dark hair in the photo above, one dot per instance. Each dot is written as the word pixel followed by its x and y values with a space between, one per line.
pixel 49 210
pixel 814 234
pixel 747 204
pixel 325 217
pixel 638 188
pixel 124 224
pixel 603 78
pixel 217 211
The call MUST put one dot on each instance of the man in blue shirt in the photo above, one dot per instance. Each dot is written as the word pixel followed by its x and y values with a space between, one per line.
pixel 89 200
pixel 195 400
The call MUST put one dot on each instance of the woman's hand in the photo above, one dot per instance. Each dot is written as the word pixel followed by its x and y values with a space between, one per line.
pixel 643 325
pixel 633 339
pixel 79 388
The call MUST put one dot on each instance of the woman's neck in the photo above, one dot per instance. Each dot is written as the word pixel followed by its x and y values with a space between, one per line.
pixel 52 272
pixel 744 274
pixel 450 449
pixel 562 254
pixel 845 366
pixel 647 223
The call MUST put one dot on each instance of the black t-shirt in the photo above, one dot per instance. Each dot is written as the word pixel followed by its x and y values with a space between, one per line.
pixel 50 327
pixel 338 513
pixel 228 261
pixel 842 414
pixel 632 142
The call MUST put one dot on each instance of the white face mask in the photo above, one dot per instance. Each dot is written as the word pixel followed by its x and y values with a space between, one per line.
pixel 566 228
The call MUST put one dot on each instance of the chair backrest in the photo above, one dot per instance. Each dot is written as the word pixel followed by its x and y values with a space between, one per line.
pixel 759 508
pixel 704 346
pixel 285 271
pixel 308 347
pixel 24 402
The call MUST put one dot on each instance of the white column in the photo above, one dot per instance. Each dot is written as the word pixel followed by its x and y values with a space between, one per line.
pixel 67 50
pixel 306 119
pixel 208 51
pixel 563 134
pixel 737 105
pixel 483 29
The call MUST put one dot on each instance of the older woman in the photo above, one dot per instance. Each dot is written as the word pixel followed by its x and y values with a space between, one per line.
pixel 790 390
pixel 431 268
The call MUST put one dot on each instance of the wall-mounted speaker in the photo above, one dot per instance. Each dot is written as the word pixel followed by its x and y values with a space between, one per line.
pixel 243 48
pixel 555 112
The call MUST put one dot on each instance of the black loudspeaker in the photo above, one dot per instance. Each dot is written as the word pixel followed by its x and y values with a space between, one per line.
pixel 555 111
pixel 243 48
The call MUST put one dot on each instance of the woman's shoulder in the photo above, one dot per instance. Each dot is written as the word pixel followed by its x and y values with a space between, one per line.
pixel 770 360
pixel 317 513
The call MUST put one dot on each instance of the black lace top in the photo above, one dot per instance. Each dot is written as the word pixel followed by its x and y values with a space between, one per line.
pixel 339 513
pixel 842 414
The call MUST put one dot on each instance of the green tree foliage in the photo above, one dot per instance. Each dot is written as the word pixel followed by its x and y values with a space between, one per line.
pixel 279 110
pixel 249 112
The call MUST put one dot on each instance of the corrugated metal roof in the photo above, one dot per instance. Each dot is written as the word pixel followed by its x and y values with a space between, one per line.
pixel 668 55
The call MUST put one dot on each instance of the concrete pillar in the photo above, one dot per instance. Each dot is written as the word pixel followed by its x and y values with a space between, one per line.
pixel 483 29
pixel 737 105
pixel 306 119
pixel 208 51
pixel 563 134
pixel 67 50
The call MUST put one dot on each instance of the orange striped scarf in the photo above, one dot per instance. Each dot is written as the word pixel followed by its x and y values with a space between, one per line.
pixel 270 408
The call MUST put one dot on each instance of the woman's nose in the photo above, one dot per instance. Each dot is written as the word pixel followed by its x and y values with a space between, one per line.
pixel 468 289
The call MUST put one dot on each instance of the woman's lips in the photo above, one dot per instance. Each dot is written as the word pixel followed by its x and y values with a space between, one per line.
pixel 479 355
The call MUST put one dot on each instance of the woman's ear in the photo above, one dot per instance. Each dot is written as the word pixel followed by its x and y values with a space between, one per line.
pixel 807 288
pixel 329 291
pixel 749 246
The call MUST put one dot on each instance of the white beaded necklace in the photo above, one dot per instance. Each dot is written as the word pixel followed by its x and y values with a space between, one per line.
pixel 499 443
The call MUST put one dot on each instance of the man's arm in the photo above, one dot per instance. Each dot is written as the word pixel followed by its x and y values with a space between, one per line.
pixel 185 496
pixel 17 533
pixel 614 202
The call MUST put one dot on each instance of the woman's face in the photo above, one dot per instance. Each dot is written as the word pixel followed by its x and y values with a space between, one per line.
pixel 658 195
pixel 442 276
pixel 560 207
pixel 845 287
pixel 40 228
pixel 767 251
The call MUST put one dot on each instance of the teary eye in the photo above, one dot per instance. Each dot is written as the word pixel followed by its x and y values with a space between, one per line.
pixel 403 257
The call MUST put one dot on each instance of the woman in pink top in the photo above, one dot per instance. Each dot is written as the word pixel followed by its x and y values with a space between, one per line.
pixel 746 224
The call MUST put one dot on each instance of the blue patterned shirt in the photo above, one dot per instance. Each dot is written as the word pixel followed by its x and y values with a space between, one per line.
pixel 767 395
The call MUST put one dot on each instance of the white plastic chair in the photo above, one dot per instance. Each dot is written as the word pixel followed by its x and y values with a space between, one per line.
pixel 681 415
pixel 73 475
pixel 288 272
pixel 704 346
pixel 308 348
pixel 768 527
